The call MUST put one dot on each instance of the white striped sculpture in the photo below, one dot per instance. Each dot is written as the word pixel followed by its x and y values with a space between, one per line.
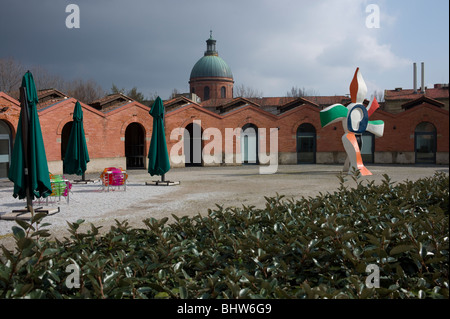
pixel 355 121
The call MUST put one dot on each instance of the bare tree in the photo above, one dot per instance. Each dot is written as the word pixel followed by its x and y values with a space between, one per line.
pixel 174 94
pixel 242 90
pixel 46 80
pixel 11 73
pixel 85 91
pixel 301 92
pixel 379 95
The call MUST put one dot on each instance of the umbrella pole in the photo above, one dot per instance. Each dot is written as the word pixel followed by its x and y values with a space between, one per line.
pixel 25 140
pixel 163 177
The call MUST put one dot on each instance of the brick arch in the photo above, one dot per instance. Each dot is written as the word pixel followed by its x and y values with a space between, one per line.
pixel 250 120
pixel 304 120
pixel 10 125
pixel 190 120
pixel 62 123
pixel 134 119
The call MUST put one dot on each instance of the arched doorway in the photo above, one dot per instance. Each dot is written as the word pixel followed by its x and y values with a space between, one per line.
pixel 425 143
pixel 65 135
pixel 306 144
pixel 135 146
pixel 5 149
pixel 193 145
pixel 249 144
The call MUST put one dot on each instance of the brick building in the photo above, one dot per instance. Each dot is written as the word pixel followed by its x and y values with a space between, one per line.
pixel 200 128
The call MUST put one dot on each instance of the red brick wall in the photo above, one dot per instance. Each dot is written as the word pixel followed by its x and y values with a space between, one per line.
pixel 12 113
pixel 105 132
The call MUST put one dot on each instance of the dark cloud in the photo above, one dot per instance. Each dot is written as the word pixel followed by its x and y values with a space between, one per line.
pixel 269 45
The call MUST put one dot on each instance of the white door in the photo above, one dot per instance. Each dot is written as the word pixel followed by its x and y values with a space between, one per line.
pixel 249 145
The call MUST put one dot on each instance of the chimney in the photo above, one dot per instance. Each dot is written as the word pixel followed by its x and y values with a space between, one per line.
pixel 415 77
pixel 422 90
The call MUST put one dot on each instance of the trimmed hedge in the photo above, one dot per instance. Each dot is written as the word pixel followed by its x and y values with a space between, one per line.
pixel 310 248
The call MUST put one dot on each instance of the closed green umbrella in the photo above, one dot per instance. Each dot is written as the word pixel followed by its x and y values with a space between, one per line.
pixel 77 156
pixel 158 156
pixel 29 169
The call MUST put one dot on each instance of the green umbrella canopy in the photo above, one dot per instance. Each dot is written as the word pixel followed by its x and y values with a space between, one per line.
pixel 158 157
pixel 38 179
pixel 77 156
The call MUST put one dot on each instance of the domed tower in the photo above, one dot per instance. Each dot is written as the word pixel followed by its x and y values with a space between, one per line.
pixel 211 77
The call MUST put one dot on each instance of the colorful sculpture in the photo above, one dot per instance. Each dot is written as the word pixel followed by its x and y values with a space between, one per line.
pixel 355 121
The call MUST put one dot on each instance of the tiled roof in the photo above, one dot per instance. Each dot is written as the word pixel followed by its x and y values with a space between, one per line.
pixel 275 105
pixel 49 97
pixel 111 101
pixel 421 100
pixel 408 94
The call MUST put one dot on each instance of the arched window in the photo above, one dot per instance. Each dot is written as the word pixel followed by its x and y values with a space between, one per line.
pixel 306 144
pixel 223 92
pixel 425 143
pixel 206 93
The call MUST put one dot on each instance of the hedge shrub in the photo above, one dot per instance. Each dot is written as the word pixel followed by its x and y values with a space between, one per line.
pixel 310 248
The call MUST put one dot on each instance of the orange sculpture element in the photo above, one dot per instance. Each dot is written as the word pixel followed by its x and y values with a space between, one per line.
pixel 353 146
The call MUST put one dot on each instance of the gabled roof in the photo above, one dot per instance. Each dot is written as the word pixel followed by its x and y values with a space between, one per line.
pixel 177 103
pixel 233 104
pixel 64 103
pixel 110 102
pixel 421 100
pixel 49 97
pixel 295 103
pixel 8 98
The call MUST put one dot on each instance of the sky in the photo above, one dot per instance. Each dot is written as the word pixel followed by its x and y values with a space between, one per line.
pixel 270 45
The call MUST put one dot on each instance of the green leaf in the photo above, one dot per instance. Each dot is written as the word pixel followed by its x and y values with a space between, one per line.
pixel 162 295
pixel 50 251
pixel 24 224
pixel 183 292
pixel 37 217
pixel 18 232
pixel 25 243
pixel 7 254
pixel 400 249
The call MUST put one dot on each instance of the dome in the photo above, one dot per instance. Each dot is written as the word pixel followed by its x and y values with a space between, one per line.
pixel 211 66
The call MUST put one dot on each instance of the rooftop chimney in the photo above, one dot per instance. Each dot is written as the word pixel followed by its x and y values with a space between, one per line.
pixel 422 90
pixel 415 77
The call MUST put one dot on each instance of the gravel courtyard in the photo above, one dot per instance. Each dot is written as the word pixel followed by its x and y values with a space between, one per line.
pixel 200 189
